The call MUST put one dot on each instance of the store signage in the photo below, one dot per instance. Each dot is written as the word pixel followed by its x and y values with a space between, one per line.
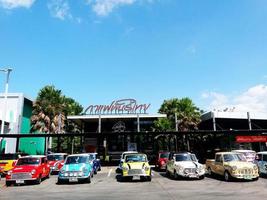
pixel 123 106
pixel 241 139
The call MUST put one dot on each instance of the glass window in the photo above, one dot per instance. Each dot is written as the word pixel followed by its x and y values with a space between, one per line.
pixel 55 157
pixel 164 155
pixel 136 158
pixel 76 159
pixel 218 158
pixel 264 157
pixel 28 161
pixel 185 157
pixel 233 157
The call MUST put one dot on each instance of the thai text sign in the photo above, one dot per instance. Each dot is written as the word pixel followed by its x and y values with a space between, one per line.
pixel 241 139
pixel 123 106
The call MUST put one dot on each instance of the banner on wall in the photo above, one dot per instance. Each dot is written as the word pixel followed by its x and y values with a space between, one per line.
pixel 246 139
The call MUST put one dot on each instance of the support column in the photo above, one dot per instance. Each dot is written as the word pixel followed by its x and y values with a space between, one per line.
pixel 138 123
pixel 176 123
pixel 213 121
pixel 99 124
pixel 249 121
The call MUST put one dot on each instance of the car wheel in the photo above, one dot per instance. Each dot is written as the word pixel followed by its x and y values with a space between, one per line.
pixel 99 169
pixel 95 171
pixel 209 171
pixel 149 178
pixel 255 179
pixel 88 180
pixel 201 177
pixel 227 176
pixel 59 181
pixel 167 172
pixel 38 180
pixel 175 175
pixel 8 183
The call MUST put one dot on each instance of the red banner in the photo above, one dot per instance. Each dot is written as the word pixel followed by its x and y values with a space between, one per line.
pixel 241 139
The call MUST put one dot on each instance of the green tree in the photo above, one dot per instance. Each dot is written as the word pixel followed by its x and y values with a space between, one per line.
pixel 51 109
pixel 188 114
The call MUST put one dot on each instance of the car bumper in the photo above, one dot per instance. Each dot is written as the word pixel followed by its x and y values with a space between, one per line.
pixel 191 175
pixel 245 176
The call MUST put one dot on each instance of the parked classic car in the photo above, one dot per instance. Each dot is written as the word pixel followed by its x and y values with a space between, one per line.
pixel 56 161
pixel 232 165
pixel 262 162
pixel 184 165
pixel 96 162
pixel 28 168
pixel 8 161
pixel 250 155
pixel 76 168
pixel 162 160
pixel 136 165
pixel 119 169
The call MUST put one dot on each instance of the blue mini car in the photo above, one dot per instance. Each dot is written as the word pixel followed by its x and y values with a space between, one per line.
pixel 95 161
pixel 77 168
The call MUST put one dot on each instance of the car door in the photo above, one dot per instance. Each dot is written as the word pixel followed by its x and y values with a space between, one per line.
pixel 218 167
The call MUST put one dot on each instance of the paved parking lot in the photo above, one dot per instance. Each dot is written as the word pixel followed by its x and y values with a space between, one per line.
pixel 105 186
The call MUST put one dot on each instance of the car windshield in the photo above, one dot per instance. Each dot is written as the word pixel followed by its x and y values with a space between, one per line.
pixel 55 157
pixel 92 156
pixel 28 161
pixel 233 157
pixel 185 157
pixel 76 159
pixel 164 155
pixel 250 155
pixel 136 158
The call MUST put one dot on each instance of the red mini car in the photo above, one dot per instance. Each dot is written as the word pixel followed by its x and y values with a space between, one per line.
pixel 28 169
pixel 56 161
pixel 162 159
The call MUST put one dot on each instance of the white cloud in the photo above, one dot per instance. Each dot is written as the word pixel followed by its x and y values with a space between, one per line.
pixel 253 100
pixel 59 9
pixel 105 7
pixel 10 4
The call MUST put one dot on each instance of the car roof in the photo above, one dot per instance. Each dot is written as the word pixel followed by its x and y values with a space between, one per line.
pixel 81 154
pixel 243 151
pixel 228 152
pixel 34 156
pixel 129 152
pixel 57 154
pixel 262 152
pixel 136 154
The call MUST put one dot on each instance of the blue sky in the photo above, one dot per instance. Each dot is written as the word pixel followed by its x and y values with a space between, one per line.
pixel 95 51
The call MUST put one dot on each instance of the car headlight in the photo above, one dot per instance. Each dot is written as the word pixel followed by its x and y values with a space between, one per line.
pixel 147 168
pixel 255 167
pixel 186 171
pixel 66 174
pixel 125 168
pixel 9 173
pixel 234 168
pixel 33 171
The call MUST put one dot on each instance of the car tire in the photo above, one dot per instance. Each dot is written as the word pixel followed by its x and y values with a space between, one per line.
pixel 59 181
pixel 227 176
pixel 167 173
pixel 38 180
pixel 255 179
pixel 95 171
pixel 149 178
pixel 201 177
pixel 175 175
pixel 209 171
pixel 99 169
pixel 88 180
pixel 8 183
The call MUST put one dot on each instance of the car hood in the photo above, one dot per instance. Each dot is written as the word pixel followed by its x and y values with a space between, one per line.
pixel 240 164
pixel 188 164
pixel 24 168
pixel 76 167
pixel 136 165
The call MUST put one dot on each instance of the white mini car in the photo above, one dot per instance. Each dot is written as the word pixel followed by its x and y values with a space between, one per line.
pixel 262 162
pixel 184 165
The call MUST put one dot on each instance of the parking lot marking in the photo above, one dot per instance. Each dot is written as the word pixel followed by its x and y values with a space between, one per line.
pixel 109 173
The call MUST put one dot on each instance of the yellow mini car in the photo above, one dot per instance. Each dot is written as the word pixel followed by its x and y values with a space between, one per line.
pixel 7 162
pixel 136 166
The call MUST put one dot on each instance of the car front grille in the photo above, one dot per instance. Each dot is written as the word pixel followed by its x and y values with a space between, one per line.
pixel 245 171
pixel 190 170
pixel 135 171
pixel 21 176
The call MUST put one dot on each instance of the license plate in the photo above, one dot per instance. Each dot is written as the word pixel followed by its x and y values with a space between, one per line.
pixel 136 177
pixel 248 177
pixel 19 181
pixel 192 176
pixel 72 180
